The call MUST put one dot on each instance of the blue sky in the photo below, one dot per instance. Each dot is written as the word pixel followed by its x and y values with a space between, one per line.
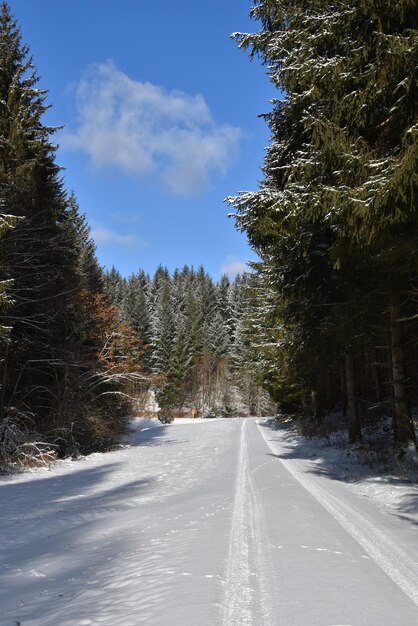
pixel 160 110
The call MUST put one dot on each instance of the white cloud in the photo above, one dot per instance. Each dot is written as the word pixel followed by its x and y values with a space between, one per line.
pixel 104 235
pixel 146 130
pixel 233 266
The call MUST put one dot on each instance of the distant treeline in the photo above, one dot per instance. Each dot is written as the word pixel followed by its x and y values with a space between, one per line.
pixel 197 340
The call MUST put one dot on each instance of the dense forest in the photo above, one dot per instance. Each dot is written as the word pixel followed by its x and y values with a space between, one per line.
pixel 335 219
pixel 68 363
pixel 197 341
pixel 326 321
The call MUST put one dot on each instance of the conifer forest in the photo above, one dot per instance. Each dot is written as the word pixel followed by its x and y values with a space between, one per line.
pixel 335 219
pixel 324 323
pixel 202 426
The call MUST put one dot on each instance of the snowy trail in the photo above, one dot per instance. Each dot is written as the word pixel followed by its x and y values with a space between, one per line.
pixel 239 596
pixel 213 523
pixel 394 561
pixel 343 560
pixel 245 601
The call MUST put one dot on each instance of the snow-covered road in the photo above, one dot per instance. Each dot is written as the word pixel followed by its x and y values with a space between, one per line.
pixel 212 523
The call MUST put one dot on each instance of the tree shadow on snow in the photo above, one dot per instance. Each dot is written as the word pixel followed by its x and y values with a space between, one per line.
pixel 60 529
pixel 333 463
pixel 153 436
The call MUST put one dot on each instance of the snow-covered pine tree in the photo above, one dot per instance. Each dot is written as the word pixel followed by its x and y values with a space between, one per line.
pixel 163 327
pixel 181 362
pixel 208 309
pixel 114 286
pixel 135 308
pixel 225 304
pixel 193 314
pixel 344 143
pixel 162 342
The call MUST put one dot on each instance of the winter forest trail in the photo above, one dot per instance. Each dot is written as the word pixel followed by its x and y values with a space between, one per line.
pixel 215 523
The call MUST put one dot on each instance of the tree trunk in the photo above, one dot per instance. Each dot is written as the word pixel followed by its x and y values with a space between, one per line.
pixel 376 379
pixel 3 383
pixel 362 400
pixel 354 429
pixel 403 426
pixel 343 387
pixel 315 405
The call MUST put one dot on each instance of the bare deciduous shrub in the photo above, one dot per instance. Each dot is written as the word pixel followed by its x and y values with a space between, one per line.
pixel 21 447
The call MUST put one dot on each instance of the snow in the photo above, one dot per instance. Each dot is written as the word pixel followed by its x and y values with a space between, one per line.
pixel 395 494
pixel 212 522
pixel 139 424
pixel 385 551
pixel 91 530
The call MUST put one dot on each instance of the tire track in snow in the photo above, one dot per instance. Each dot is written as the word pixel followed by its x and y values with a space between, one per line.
pixel 390 557
pixel 245 602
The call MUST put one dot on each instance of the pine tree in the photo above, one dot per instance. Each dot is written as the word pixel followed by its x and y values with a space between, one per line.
pixel 88 270
pixel 135 310
pixel 115 286
pixel 35 254
pixel 225 305
pixel 192 336
pixel 6 223
pixel 163 329
pixel 181 363
pixel 67 361
pixel 341 166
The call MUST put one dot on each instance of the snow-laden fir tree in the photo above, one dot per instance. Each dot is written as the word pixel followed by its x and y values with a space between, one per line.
pixel 115 286
pixel 342 163
pixel 135 308
pixel 193 321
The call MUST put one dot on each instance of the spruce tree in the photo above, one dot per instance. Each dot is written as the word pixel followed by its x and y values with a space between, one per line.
pixel 36 255
pixel 135 310
pixel 67 360
pixel 341 166
pixel 192 337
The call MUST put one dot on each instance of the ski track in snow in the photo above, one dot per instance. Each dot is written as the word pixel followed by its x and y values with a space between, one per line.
pixel 246 601
pixel 390 557
pixel 239 595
